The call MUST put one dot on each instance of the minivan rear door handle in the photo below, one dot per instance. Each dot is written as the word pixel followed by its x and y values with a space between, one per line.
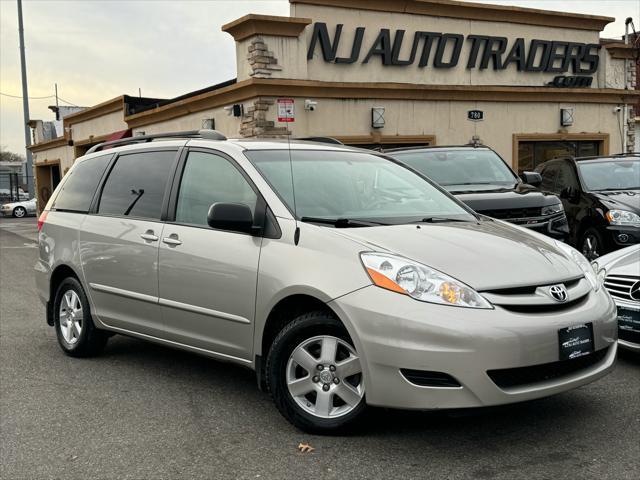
pixel 149 236
pixel 172 240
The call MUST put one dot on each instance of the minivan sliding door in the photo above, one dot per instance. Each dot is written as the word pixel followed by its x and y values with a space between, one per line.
pixel 119 242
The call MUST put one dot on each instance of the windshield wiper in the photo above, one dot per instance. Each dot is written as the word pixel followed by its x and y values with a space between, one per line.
pixel 341 222
pixel 616 189
pixel 439 220
pixel 472 183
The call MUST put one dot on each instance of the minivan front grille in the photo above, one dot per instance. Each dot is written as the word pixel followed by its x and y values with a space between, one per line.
pixel 530 289
pixel 546 308
pixel 619 286
pixel 517 377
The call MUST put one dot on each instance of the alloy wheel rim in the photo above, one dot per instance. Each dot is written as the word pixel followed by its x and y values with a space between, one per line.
pixel 19 212
pixel 71 316
pixel 324 377
pixel 590 247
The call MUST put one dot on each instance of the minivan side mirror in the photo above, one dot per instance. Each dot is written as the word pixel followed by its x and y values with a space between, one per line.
pixel 235 217
pixel 531 178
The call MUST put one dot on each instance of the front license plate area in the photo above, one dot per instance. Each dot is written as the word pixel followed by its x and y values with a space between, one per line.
pixel 575 341
pixel 628 319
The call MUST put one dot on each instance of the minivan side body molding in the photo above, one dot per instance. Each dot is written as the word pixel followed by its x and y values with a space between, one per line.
pixel 169 303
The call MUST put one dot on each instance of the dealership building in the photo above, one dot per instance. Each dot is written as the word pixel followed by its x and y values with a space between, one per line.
pixel 532 84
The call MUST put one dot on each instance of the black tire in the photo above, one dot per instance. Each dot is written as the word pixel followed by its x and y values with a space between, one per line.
pixel 597 248
pixel 91 341
pixel 293 334
pixel 19 212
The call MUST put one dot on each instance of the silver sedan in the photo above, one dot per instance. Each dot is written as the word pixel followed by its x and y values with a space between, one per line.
pixel 19 209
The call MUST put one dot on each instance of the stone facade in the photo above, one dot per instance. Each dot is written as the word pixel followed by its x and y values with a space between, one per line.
pixel 255 123
pixel 261 60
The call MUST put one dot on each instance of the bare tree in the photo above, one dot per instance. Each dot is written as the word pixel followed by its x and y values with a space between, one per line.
pixel 7 156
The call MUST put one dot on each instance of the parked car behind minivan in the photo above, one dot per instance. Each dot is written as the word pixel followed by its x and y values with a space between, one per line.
pixel 479 177
pixel 342 277
pixel 601 196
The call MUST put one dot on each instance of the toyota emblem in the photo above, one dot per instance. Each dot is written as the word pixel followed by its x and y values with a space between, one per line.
pixel 558 293
pixel 634 291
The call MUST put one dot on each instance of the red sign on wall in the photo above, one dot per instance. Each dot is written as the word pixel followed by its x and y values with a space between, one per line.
pixel 286 110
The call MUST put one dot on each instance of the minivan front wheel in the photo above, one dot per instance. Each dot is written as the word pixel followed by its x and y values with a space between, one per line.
pixel 315 376
pixel 77 335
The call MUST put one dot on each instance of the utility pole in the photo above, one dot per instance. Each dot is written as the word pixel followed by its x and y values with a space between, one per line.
pixel 25 105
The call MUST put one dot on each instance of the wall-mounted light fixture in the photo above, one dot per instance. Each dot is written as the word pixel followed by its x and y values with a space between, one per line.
pixel 566 117
pixel 377 117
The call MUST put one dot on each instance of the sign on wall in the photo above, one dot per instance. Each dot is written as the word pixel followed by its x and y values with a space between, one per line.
pixel 286 110
pixel 475 115
pixel 443 50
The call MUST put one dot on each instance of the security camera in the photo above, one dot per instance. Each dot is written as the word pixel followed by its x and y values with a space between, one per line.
pixel 310 105
pixel 617 109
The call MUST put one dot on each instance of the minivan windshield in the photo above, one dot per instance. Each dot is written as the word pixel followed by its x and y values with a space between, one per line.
pixel 611 174
pixel 469 166
pixel 343 187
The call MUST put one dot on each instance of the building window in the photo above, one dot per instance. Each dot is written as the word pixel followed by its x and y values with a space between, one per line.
pixel 532 153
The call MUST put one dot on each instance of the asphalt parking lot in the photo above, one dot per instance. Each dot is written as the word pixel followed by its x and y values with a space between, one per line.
pixel 142 411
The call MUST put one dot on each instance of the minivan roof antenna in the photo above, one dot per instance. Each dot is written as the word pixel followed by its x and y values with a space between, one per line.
pixel 296 235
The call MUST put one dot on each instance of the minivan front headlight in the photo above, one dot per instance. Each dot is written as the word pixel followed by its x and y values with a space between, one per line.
pixel 589 270
pixel 423 283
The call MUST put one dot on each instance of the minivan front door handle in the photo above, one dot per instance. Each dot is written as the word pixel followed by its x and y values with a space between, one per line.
pixel 172 240
pixel 149 236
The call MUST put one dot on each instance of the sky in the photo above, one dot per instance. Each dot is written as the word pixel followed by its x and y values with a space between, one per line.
pixel 98 49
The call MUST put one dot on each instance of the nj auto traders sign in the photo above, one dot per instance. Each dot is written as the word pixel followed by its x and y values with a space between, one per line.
pixel 443 50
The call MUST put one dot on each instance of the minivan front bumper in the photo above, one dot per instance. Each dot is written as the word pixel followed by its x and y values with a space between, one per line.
pixel 393 332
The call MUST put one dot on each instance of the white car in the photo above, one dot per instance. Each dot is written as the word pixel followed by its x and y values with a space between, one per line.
pixel 19 209
pixel 623 283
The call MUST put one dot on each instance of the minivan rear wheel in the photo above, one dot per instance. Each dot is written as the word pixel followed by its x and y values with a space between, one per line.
pixel 314 375
pixel 77 335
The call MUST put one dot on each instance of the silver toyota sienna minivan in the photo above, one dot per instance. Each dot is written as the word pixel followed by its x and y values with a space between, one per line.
pixel 342 277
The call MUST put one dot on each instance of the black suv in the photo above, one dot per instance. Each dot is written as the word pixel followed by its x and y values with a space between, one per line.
pixel 601 196
pixel 479 177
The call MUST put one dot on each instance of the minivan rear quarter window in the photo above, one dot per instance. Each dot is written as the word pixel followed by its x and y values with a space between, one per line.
pixel 80 186
pixel 136 185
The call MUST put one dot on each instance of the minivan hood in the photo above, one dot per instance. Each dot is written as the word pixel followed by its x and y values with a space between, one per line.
pixel 486 255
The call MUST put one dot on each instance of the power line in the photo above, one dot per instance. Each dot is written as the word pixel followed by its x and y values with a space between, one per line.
pixel 40 98
pixel 69 103
pixel 30 98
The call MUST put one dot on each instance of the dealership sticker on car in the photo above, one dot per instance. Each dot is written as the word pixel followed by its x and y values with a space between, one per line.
pixel 629 319
pixel 575 341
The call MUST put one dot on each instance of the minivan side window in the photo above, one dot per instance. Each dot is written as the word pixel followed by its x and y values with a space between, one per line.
pixel 207 179
pixel 136 185
pixel 78 189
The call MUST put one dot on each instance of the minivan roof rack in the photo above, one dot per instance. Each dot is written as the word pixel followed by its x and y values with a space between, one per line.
pixel 331 140
pixel 206 134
